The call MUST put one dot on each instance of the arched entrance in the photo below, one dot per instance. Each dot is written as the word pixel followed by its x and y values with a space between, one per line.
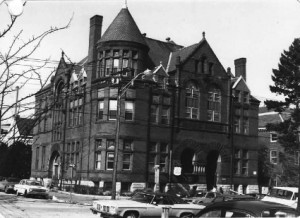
pixel 211 169
pixel 187 160
pixel 54 165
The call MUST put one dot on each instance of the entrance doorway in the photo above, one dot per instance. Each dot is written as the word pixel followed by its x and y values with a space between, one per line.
pixel 54 165
pixel 211 168
pixel 187 160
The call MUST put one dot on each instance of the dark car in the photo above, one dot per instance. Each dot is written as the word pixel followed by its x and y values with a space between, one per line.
pixel 7 184
pixel 247 209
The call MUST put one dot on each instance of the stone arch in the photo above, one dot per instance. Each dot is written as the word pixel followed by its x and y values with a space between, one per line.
pixel 54 165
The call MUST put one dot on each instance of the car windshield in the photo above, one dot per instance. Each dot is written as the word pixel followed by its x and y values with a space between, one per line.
pixel 142 197
pixel 280 193
pixel 33 183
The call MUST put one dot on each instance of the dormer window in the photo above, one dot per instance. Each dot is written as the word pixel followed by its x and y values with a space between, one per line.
pixel 246 97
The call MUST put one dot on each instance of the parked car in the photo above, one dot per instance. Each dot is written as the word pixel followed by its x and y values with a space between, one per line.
pixel 283 195
pixel 28 187
pixel 144 204
pixel 247 209
pixel 212 197
pixel 7 184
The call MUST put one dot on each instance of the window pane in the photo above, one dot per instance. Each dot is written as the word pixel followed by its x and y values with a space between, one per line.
pixel 110 161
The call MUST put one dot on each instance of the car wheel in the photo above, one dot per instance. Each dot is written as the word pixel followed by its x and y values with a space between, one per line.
pixel 131 215
pixel 25 194
pixel 187 215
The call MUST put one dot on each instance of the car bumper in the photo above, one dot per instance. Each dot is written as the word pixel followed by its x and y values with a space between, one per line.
pixel 103 214
pixel 38 193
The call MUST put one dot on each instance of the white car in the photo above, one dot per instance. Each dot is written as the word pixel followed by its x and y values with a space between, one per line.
pixel 145 205
pixel 28 187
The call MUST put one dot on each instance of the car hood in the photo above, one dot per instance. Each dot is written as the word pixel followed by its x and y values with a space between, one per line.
pixel 120 203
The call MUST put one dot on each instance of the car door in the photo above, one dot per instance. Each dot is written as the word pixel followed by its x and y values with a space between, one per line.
pixel 156 207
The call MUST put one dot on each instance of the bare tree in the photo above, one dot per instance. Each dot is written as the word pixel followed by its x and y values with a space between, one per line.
pixel 15 75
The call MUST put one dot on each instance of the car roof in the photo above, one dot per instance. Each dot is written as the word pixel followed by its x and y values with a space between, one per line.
pixel 255 206
pixel 293 189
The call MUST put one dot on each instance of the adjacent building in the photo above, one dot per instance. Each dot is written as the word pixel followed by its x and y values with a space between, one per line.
pixel 178 120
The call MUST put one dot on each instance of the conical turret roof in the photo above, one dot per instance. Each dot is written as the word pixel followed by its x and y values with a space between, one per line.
pixel 123 28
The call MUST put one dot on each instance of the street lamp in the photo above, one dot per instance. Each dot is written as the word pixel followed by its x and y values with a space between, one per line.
pixel 121 92
pixel 15 7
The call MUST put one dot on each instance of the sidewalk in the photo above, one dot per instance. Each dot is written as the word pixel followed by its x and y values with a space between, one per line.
pixel 73 198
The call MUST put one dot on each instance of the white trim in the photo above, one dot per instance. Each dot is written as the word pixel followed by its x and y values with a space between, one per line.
pixel 237 82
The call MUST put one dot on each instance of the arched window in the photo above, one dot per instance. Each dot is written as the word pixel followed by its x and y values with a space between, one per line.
pixel 192 101
pixel 57 114
pixel 214 105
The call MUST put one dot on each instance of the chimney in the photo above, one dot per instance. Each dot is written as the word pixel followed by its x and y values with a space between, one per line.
pixel 95 35
pixel 240 67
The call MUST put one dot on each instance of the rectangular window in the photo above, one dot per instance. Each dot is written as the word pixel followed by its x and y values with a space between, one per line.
pixel 246 97
pixel 165 115
pixel 236 125
pixel 273 137
pixel 153 147
pixel 155 99
pixel 108 66
pixel 246 126
pixel 154 114
pixel 110 160
pixel 98 160
pixel 98 144
pixel 113 109
pixel 238 95
pixel 127 145
pixel 110 144
pixel 100 109
pixel 273 156
pixel 126 161
pixel 37 156
pixel 151 162
pixel 80 115
pixel 43 156
pixel 164 147
pixel 129 108
pixel 166 100
pixel 116 65
pixel 244 167
pixel 125 64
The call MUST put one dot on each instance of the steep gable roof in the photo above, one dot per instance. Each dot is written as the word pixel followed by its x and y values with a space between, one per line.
pixel 123 28
pixel 160 51
pixel 25 126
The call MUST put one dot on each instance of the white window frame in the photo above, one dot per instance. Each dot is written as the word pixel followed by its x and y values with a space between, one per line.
pixel 273 156
pixel 110 157
pixel 98 160
pixel 272 134
pixel 192 95
pixel 113 105
pixel 129 109
pixel 214 105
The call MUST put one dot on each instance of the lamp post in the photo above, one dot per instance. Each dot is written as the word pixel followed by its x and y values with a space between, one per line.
pixel 15 7
pixel 121 92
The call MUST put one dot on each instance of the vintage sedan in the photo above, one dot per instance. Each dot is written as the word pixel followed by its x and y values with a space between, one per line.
pixel 7 184
pixel 247 209
pixel 28 187
pixel 146 205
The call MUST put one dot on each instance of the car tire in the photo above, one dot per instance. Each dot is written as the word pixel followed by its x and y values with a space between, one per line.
pixel 187 215
pixel 131 214
pixel 25 194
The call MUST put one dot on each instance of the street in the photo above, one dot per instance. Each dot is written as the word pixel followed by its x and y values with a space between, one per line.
pixel 13 206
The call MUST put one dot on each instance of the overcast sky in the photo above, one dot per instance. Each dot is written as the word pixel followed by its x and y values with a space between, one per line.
pixel 258 30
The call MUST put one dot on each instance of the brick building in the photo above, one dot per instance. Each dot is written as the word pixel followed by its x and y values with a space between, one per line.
pixel 180 119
